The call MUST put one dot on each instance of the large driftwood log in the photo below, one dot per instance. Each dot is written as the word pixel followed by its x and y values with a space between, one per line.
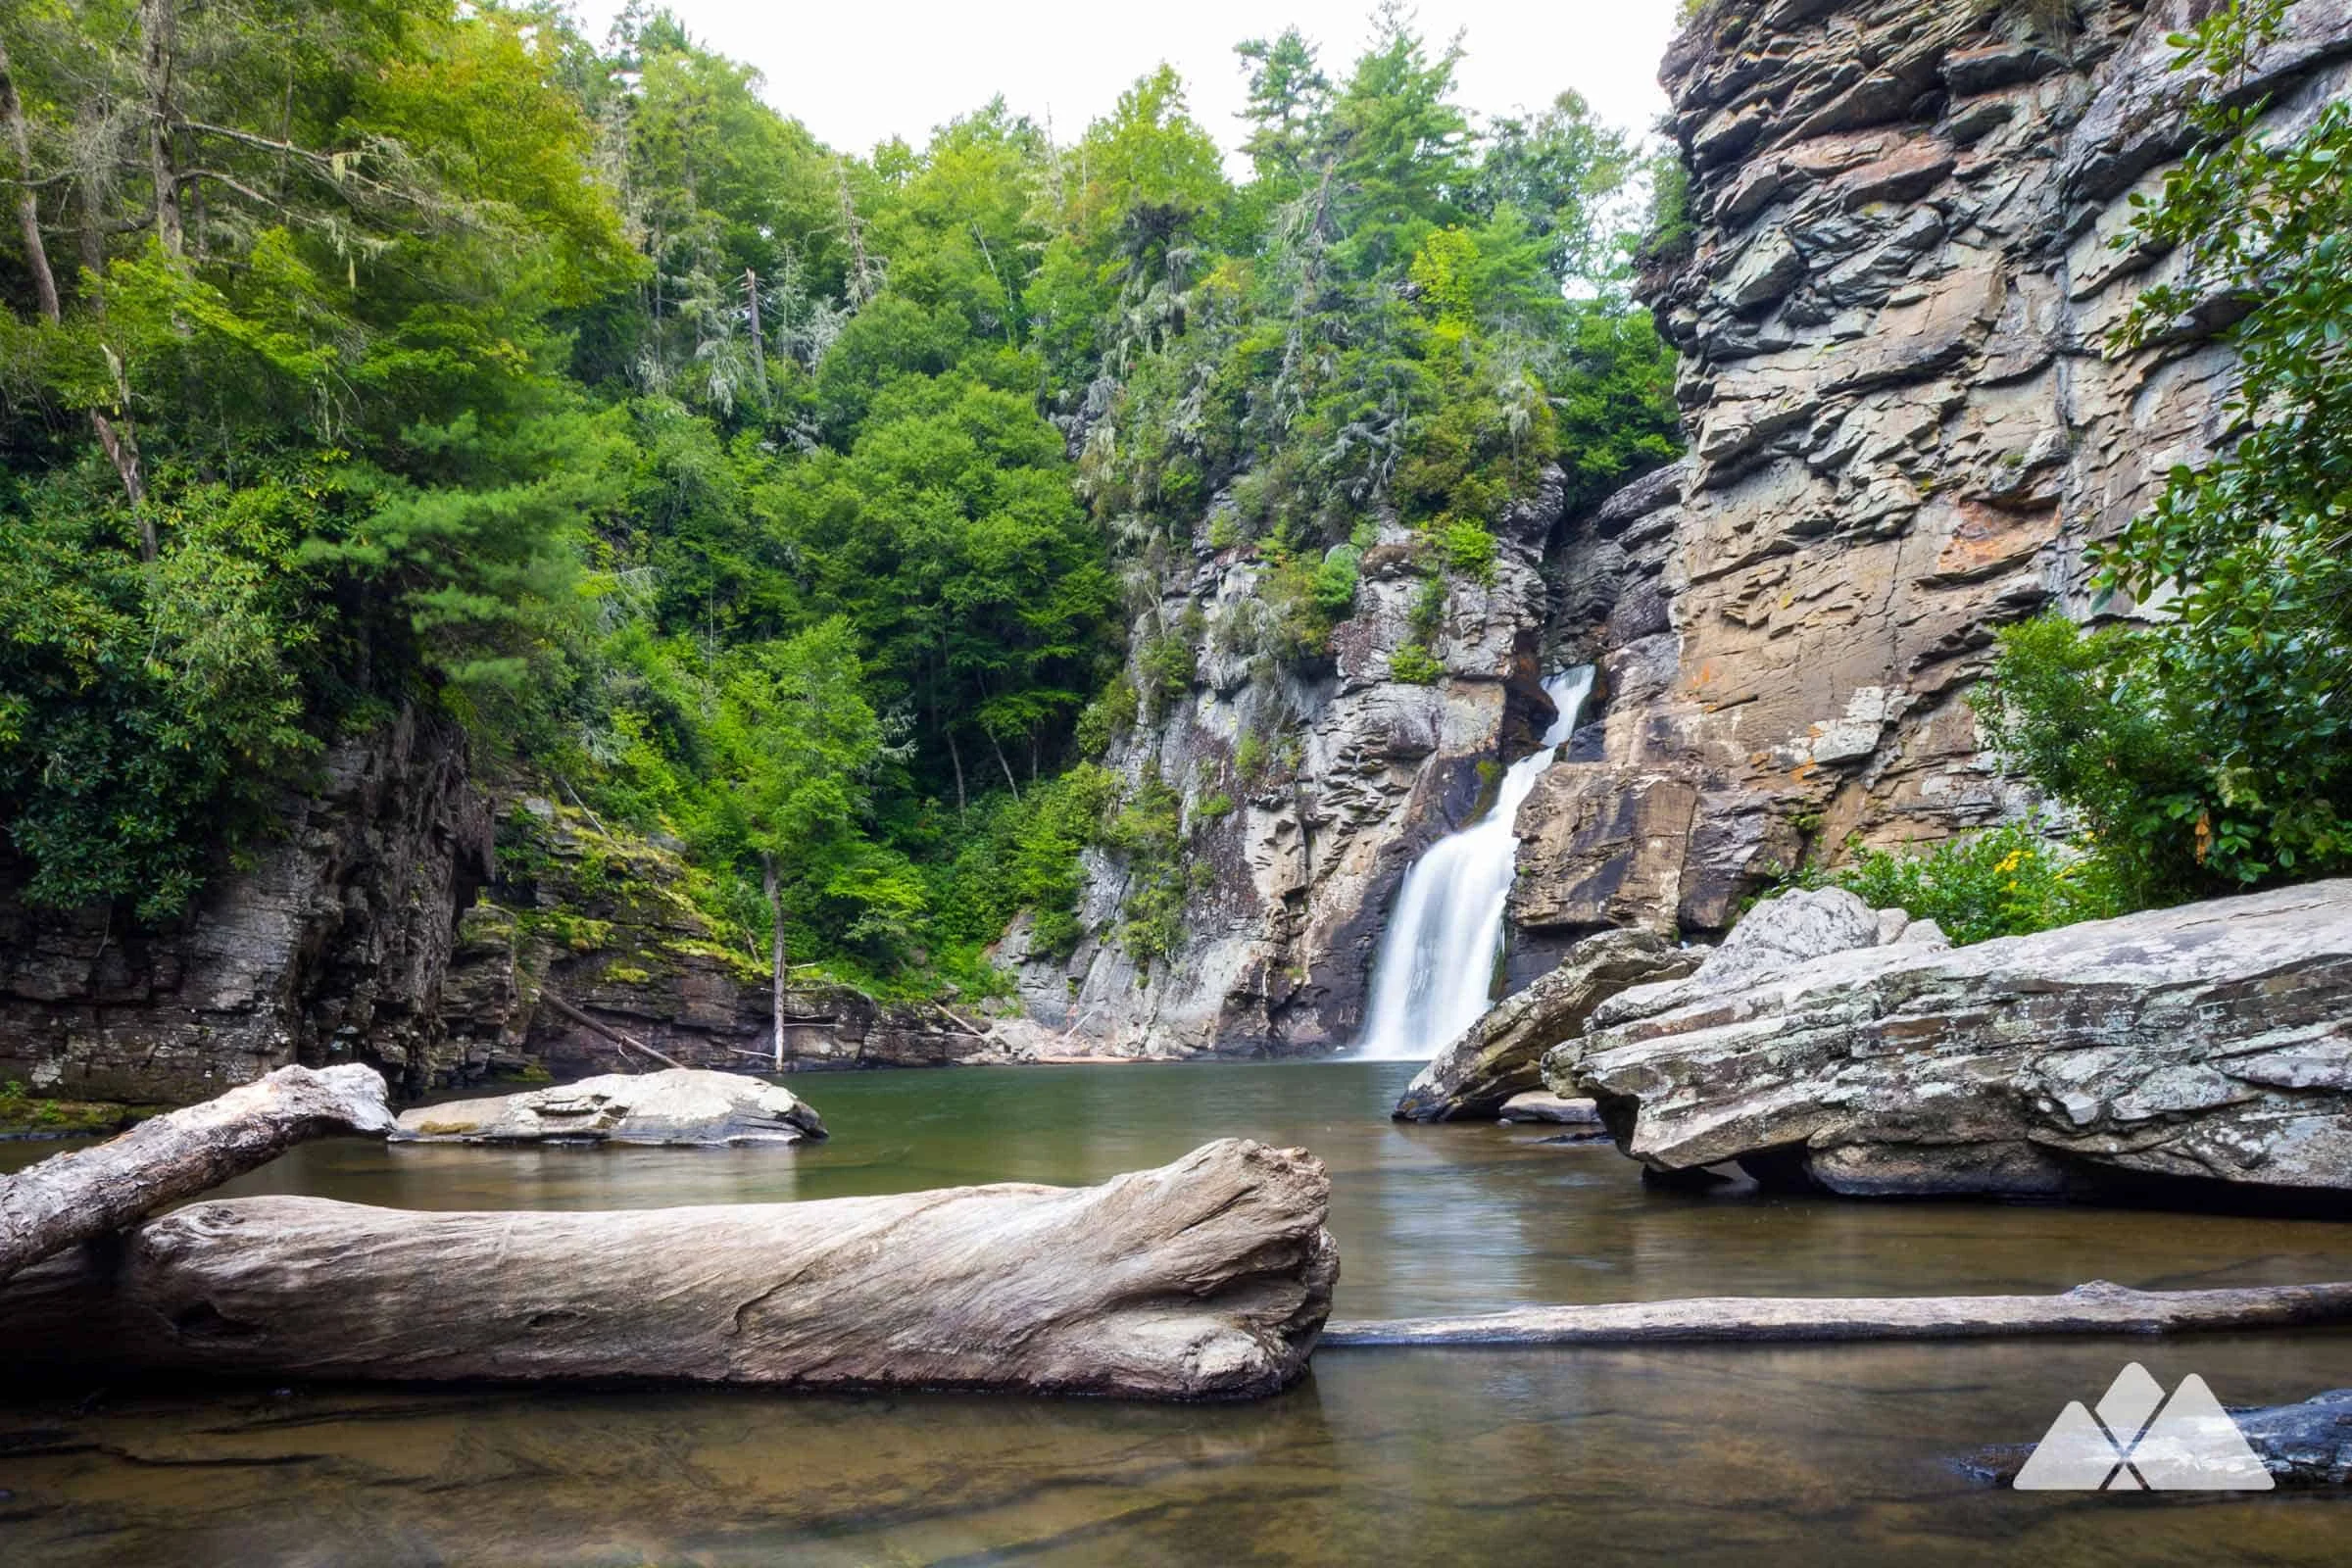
pixel 90 1192
pixel 2099 1307
pixel 1204 1279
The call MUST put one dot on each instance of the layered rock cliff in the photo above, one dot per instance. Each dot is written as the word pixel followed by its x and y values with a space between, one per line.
pixel 1290 860
pixel 1906 428
pixel 1906 425
pixel 379 925
pixel 585 954
pixel 330 946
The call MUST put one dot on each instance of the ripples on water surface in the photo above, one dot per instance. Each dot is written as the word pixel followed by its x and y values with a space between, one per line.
pixel 1676 1455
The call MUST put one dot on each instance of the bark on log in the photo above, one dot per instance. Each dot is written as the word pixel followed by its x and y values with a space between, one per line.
pixel 1204 1279
pixel 90 1192
pixel 2099 1307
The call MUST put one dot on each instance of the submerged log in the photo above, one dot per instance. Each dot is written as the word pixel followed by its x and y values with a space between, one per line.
pixel 91 1192
pixel 2099 1307
pixel 1205 1279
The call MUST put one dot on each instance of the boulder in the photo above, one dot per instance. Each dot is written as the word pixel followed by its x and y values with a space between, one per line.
pixel 1778 935
pixel 1501 1054
pixel 2210 1042
pixel 677 1106
pixel 2302 1445
pixel 1541 1105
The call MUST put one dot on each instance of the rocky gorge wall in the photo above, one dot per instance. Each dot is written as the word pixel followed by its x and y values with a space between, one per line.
pixel 1905 428
pixel 330 946
pixel 1289 863
pixel 586 939
pixel 393 920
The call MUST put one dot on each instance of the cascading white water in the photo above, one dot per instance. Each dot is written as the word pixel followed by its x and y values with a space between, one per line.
pixel 1434 971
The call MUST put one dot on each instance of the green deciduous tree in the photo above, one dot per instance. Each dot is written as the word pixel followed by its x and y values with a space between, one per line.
pixel 2212 744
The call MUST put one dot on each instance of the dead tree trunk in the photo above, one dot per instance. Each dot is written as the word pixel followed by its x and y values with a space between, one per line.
pixel 955 757
pixel 90 1192
pixel 159 59
pixel 751 292
pixel 28 207
pixel 2097 1307
pixel 779 969
pixel 121 446
pixel 626 1041
pixel 1204 1279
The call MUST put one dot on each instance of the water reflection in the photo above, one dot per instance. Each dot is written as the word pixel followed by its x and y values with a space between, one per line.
pixel 1703 1455
pixel 1700 1456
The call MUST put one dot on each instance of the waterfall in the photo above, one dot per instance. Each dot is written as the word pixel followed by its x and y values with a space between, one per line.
pixel 1433 973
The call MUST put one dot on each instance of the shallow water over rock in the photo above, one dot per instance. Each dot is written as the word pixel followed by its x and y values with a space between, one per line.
pixel 1691 1454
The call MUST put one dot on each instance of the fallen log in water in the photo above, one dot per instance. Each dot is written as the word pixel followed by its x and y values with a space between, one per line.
pixel 2099 1307
pixel 91 1192
pixel 1204 1279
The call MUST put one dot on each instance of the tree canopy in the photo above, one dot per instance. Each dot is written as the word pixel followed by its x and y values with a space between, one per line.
pixel 360 354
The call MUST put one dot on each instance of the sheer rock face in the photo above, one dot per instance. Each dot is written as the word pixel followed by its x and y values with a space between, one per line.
pixel 1904 431
pixel 332 946
pixel 1500 1055
pixel 679 1106
pixel 366 931
pixel 2208 1042
pixel 1354 775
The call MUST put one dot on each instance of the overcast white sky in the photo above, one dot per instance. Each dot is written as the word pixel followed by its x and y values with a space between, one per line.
pixel 855 74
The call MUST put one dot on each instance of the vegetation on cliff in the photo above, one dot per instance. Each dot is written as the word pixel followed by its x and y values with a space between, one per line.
pixel 2207 742
pixel 773 501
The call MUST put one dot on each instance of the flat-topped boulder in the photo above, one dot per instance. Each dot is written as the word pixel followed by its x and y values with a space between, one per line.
pixel 679 1106
pixel 1501 1055
pixel 2210 1042
pixel 1541 1105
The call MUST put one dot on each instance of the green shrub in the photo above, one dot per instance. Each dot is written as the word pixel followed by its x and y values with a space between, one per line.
pixel 1335 583
pixel 1428 612
pixel 2006 881
pixel 2211 749
pixel 1023 854
pixel 1168 667
pixel 1470 549
pixel 1213 807
pixel 1107 717
pixel 1308 599
pixel 1249 757
pixel 1415 665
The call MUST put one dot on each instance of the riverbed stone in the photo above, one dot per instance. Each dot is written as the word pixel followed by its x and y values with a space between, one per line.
pixel 2209 1043
pixel 1542 1105
pixel 1501 1055
pixel 2306 1445
pixel 679 1106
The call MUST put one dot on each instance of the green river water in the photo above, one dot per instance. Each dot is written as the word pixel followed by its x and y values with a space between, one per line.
pixel 1670 1456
